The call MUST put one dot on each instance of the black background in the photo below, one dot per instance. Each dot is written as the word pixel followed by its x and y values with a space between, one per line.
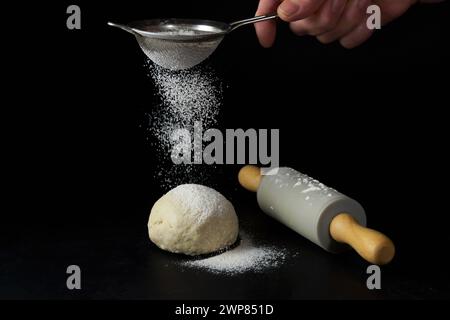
pixel 370 122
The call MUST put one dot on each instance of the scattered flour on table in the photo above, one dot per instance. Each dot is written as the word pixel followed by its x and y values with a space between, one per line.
pixel 244 258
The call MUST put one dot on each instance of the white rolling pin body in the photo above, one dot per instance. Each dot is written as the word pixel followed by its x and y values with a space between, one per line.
pixel 306 205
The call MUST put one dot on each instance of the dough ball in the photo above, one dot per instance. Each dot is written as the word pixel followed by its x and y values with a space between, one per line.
pixel 193 219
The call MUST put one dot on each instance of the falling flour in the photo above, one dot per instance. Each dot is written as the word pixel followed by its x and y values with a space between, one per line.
pixel 246 257
pixel 186 97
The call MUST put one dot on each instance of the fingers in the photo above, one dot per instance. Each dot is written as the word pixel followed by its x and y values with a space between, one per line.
pixel 292 10
pixel 353 31
pixel 352 18
pixel 328 20
pixel 357 36
pixel 266 30
pixel 431 1
pixel 393 9
pixel 324 20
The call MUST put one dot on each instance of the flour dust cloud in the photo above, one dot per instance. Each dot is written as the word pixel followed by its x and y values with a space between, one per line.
pixel 185 97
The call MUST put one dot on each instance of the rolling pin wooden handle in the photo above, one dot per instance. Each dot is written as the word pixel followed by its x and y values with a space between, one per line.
pixel 372 245
pixel 250 177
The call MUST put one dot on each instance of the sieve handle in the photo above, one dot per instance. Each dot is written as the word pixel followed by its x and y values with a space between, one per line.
pixel 237 24
pixel 123 27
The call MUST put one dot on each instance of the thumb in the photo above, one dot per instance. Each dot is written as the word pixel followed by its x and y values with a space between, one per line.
pixel 292 10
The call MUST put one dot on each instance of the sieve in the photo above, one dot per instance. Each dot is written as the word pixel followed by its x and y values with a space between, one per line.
pixel 179 44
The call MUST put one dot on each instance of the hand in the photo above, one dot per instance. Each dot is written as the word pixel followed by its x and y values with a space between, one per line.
pixel 328 20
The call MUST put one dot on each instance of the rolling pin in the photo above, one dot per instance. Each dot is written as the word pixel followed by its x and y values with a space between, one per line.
pixel 319 213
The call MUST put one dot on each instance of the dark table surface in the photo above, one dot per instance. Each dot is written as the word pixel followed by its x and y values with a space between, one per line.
pixel 118 261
